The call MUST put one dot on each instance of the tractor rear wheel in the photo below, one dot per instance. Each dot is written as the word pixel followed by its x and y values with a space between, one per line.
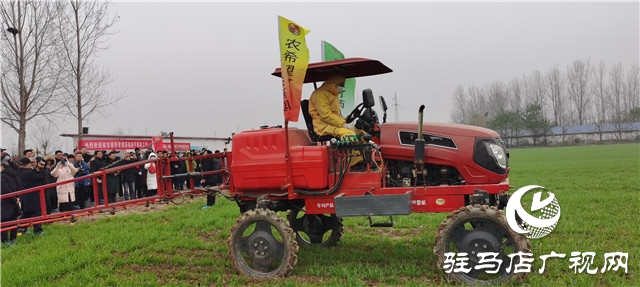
pixel 312 229
pixel 479 229
pixel 262 245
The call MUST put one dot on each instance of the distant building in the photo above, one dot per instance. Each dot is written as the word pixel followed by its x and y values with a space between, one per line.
pixel 591 133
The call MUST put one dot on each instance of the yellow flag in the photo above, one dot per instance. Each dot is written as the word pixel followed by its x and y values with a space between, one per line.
pixel 294 59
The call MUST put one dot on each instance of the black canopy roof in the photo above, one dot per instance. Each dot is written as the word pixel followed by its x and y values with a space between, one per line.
pixel 349 68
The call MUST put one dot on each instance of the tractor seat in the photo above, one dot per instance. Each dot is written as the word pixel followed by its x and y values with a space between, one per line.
pixel 304 106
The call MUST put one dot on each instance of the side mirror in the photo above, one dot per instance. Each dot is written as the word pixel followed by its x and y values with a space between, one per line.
pixel 367 98
pixel 383 103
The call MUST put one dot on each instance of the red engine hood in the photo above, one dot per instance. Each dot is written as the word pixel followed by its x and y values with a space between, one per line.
pixel 442 129
pixel 447 145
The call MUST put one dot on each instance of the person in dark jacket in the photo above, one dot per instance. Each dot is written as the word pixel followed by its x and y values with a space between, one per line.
pixel 197 180
pixel 141 184
pixel 45 166
pixel 9 208
pixel 129 177
pixel 59 155
pixel 141 179
pixel 86 156
pixel 31 201
pixel 81 186
pixel 113 178
pixel 178 167
pixel 96 165
pixel 6 158
pixel 211 164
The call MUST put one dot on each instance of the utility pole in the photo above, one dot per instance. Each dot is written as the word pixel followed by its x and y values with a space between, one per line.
pixel 396 108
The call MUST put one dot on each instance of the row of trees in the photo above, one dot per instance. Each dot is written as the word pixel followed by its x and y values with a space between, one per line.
pixel 583 93
pixel 48 70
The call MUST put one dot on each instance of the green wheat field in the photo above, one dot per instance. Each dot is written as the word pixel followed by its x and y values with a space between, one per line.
pixel 598 188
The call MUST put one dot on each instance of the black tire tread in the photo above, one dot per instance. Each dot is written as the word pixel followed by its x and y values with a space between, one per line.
pixel 291 246
pixel 439 248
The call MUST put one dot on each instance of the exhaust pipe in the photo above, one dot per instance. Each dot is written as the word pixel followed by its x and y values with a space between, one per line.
pixel 418 158
pixel 418 155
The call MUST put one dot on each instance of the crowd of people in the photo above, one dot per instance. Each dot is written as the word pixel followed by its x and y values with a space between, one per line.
pixel 137 181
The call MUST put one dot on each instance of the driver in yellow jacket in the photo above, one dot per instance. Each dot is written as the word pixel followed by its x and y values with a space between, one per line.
pixel 324 108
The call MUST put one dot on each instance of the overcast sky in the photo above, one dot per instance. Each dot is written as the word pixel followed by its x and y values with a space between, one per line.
pixel 203 68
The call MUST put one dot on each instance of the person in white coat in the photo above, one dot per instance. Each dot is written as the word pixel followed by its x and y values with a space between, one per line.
pixel 152 179
pixel 64 170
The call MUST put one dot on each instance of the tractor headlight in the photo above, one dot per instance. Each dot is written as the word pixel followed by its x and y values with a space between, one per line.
pixel 491 154
pixel 498 154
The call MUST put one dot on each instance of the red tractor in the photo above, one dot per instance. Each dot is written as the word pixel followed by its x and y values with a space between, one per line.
pixel 411 167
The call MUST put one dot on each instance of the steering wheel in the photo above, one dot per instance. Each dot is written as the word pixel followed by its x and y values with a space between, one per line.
pixel 356 113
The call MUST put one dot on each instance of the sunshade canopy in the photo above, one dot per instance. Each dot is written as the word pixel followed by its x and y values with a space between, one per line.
pixel 349 68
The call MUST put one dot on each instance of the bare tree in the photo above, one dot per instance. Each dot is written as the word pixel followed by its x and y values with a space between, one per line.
pixel 585 94
pixel 537 91
pixel 478 102
pixel 85 27
pixel 497 98
pixel 601 102
pixel 632 88
pixel 460 103
pixel 514 95
pixel 29 73
pixel 616 98
pixel 478 107
pixel 555 86
pixel 578 76
pixel 46 137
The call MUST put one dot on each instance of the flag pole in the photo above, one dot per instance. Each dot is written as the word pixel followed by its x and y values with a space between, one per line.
pixel 287 159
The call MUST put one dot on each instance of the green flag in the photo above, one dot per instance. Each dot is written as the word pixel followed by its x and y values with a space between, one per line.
pixel 347 99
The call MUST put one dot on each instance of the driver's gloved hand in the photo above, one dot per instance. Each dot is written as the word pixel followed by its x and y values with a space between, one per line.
pixel 363 125
pixel 350 118
pixel 349 126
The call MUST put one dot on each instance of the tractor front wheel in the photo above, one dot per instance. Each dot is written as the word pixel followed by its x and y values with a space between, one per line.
pixel 262 245
pixel 473 230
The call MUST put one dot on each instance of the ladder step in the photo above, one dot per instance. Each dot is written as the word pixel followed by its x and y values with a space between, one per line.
pixel 382 224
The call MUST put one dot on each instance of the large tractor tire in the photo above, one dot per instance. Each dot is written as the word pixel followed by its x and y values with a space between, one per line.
pixel 262 245
pixel 475 229
pixel 311 229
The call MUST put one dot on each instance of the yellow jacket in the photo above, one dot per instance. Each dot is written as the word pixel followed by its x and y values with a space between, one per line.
pixel 324 107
